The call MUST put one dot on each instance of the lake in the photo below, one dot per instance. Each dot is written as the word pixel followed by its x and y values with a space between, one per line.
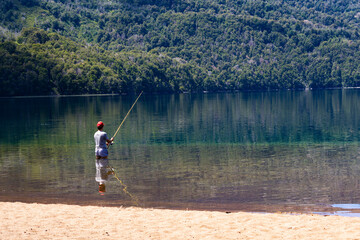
pixel 244 151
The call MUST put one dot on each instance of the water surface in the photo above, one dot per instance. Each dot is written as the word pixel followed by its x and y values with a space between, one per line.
pixel 254 151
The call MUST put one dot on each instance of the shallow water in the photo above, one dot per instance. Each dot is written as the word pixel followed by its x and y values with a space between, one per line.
pixel 255 151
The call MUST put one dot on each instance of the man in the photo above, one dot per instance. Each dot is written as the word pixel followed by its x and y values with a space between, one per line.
pixel 101 154
pixel 101 142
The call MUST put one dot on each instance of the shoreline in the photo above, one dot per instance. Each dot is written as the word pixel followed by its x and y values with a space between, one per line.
pixel 61 221
pixel 109 201
pixel 169 93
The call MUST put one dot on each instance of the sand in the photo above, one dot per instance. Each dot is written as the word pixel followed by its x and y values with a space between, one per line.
pixel 58 221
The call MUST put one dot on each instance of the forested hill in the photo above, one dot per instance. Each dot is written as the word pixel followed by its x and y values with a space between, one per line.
pixel 120 46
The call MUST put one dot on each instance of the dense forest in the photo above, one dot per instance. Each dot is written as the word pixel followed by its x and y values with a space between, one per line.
pixel 121 46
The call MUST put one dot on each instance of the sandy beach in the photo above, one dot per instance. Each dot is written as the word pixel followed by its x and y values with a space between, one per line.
pixel 58 221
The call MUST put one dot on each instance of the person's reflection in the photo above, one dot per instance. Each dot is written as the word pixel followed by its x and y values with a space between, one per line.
pixel 103 170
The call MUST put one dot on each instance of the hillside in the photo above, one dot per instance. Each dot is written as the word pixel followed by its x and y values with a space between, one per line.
pixel 122 46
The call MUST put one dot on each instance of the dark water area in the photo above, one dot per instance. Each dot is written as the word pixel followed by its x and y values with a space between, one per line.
pixel 247 151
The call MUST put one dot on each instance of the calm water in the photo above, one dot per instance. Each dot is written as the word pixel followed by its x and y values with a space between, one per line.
pixel 259 151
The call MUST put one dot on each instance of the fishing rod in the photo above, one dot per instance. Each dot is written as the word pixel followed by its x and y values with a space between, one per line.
pixel 133 197
pixel 126 116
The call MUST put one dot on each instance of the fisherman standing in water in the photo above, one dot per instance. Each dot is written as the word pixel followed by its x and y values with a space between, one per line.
pixel 101 153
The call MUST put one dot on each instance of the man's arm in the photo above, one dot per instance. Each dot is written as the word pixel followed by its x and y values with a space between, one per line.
pixel 109 141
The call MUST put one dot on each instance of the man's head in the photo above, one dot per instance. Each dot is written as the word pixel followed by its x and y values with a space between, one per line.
pixel 100 125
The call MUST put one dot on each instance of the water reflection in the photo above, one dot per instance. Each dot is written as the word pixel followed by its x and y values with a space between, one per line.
pixel 103 171
pixel 352 210
pixel 244 150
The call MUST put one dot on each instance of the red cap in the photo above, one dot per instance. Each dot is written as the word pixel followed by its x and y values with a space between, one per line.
pixel 100 124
